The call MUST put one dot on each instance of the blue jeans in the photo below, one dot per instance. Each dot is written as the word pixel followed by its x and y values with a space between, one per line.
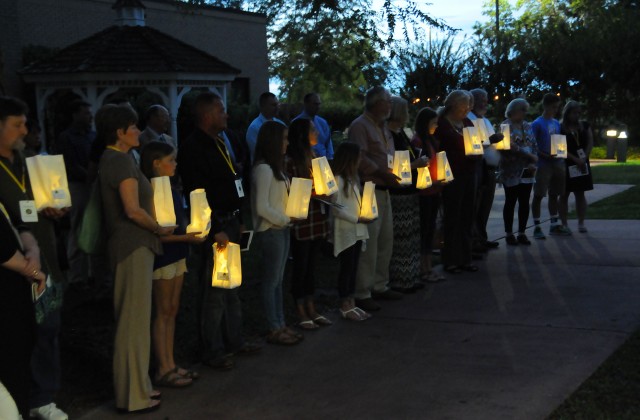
pixel 274 247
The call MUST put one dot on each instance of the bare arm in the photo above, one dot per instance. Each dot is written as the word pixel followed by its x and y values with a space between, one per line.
pixel 129 195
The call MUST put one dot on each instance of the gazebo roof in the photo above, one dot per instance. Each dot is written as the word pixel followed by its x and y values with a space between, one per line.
pixel 130 49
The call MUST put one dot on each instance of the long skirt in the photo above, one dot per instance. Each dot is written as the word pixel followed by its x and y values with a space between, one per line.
pixel 404 269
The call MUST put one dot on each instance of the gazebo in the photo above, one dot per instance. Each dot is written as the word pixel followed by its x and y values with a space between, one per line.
pixel 129 55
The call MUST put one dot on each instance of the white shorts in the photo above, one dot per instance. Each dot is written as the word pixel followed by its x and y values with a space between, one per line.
pixel 171 271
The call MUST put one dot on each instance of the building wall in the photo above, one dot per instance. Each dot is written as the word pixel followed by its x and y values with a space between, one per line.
pixel 237 38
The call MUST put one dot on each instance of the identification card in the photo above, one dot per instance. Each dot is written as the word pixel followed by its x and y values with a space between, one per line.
pixel 390 161
pixel 59 195
pixel 239 188
pixel 28 211
pixel 581 154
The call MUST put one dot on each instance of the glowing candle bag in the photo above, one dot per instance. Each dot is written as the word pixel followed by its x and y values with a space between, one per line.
pixel 200 213
pixel 227 267
pixel 472 142
pixel 299 197
pixel 559 145
pixel 505 143
pixel 424 178
pixel 163 201
pixel 369 205
pixel 323 180
pixel 444 170
pixel 402 166
pixel 49 184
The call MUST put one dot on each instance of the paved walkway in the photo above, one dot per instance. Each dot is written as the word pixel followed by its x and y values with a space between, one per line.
pixel 511 341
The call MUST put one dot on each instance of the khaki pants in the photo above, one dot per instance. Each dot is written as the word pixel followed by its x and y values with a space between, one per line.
pixel 373 270
pixel 132 304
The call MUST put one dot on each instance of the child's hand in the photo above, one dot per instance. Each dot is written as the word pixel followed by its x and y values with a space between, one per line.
pixel 192 238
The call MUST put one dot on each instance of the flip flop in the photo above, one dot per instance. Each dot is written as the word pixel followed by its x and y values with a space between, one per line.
pixel 308 325
pixel 191 374
pixel 321 320
pixel 172 379
pixel 354 311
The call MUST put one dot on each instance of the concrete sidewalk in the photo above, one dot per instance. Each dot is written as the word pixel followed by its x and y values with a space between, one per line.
pixel 511 341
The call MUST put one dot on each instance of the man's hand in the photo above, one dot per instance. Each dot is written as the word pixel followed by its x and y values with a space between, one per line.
pixel 222 239
pixel 55 214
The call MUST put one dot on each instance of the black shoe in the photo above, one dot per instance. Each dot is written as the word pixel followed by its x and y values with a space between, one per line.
pixel 479 249
pixel 386 295
pixel 476 256
pixel 491 244
pixel 511 240
pixel 522 238
pixel 367 305
pixel 221 363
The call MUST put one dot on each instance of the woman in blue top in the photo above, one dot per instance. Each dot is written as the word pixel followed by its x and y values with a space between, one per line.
pixel 159 159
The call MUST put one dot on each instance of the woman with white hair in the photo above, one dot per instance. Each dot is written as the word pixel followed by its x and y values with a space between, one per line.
pixel 458 196
pixel 517 170
pixel 404 268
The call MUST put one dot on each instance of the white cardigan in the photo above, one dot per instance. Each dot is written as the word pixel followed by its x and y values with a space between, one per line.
pixel 269 200
pixel 346 229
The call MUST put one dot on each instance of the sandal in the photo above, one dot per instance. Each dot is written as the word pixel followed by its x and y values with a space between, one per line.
pixel 293 333
pixel 155 395
pixel 188 373
pixel 364 315
pixel 434 277
pixel 172 379
pixel 281 338
pixel 351 315
pixel 308 325
pixel 321 320
pixel 469 267
pixel 453 269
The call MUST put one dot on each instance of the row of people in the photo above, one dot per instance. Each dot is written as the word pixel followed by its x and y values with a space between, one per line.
pixel 379 259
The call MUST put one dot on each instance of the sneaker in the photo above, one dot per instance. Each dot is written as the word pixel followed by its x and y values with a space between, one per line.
pixel 538 234
pixel 559 230
pixel 511 240
pixel 48 412
pixel 522 239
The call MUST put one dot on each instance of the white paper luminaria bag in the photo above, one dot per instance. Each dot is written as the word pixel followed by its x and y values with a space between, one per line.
pixel 49 183
pixel 200 213
pixel 163 201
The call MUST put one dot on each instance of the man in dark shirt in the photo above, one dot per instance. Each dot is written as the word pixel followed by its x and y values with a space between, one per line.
pixel 204 161
pixel 74 144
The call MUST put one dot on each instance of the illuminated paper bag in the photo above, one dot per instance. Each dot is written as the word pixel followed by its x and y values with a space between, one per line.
pixel 444 172
pixel 472 143
pixel 481 128
pixel 299 197
pixel 323 180
pixel 505 143
pixel 559 145
pixel 48 178
pixel 402 166
pixel 369 205
pixel 227 267
pixel 200 213
pixel 163 201
pixel 424 178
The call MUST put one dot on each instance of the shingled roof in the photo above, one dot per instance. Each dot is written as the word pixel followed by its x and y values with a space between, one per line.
pixel 130 49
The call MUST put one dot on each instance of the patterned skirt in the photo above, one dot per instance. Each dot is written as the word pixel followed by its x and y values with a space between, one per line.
pixel 404 269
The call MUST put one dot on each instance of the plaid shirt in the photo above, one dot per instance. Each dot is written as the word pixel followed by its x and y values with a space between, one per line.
pixel 316 225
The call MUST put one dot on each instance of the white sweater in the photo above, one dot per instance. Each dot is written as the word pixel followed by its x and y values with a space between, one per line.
pixel 346 229
pixel 269 200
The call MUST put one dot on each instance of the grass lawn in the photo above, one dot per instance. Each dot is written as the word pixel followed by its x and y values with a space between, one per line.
pixel 600 152
pixel 612 391
pixel 623 206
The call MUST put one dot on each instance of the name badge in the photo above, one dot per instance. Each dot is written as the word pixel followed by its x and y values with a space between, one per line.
pixel 582 154
pixel 239 188
pixel 390 161
pixel 28 211
pixel 59 195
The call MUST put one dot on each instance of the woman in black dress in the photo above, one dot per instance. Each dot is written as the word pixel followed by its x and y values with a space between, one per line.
pixel 578 172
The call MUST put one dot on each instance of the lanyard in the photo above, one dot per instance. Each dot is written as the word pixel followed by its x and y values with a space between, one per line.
pixel 22 186
pixel 225 154
pixel 4 211
pixel 114 148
